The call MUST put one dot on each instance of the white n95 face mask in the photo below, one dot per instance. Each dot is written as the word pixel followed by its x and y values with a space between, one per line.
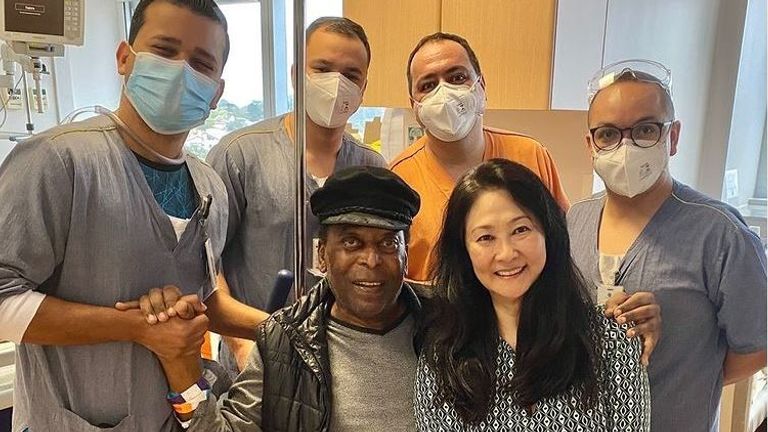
pixel 631 170
pixel 331 98
pixel 450 111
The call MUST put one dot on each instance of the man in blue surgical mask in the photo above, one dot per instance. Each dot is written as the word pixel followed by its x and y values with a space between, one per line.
pixel 257 166
pixel 102 211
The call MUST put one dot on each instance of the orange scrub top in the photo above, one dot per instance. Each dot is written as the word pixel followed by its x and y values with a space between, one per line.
pixel 421 170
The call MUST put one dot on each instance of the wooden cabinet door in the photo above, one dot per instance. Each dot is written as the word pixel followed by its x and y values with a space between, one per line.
pixel 514 41
pixel 393 28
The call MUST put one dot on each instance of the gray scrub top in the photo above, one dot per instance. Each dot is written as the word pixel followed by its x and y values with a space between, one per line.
pixel 257 166
pixel 708 272
pixel 79 223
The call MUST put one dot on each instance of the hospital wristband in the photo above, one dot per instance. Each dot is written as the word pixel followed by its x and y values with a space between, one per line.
pixel 191 406
pixel 188 394
pixel 188 400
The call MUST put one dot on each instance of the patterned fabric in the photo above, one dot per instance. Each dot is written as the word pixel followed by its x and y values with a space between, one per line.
pixel 624 400
pixel 172 187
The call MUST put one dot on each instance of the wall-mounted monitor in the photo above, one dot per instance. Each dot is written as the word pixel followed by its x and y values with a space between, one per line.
pixel 44 22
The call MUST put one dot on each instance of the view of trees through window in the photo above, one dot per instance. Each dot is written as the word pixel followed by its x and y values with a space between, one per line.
pixel 243 101
pixel 226 118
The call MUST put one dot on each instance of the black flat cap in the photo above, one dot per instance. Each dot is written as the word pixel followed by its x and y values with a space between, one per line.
pixel 367 196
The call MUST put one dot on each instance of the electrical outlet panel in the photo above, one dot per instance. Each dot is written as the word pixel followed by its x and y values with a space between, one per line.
pixel 33 99
pixel 14 99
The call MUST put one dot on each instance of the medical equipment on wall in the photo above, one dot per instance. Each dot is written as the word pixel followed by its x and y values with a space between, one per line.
pixel 31 30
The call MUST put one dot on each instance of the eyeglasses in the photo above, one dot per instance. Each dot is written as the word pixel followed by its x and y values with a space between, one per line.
pixel 644 135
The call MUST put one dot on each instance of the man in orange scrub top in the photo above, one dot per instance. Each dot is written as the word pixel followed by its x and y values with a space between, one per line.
pixel 447 93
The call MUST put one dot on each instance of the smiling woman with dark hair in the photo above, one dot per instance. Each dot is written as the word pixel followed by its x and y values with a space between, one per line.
pixel 513 341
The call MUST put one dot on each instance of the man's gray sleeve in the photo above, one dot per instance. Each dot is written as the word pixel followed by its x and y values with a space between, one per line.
pixel 227 160
pixel 240 409
pixel 36 191
pixel 741 293
pixel 377 160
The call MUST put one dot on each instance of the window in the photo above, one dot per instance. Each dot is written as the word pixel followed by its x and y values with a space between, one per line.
pixel 257 74
pixel 243 101
pixel 747 129
pixel 744 183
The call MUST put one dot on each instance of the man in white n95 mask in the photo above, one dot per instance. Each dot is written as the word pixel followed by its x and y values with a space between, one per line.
pixel 447 92
pixel 257 165
pixel 651 233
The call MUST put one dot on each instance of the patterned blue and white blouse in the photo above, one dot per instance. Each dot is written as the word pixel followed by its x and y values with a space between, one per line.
pixel 624 400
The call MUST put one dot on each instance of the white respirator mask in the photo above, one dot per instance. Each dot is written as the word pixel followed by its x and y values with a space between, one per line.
pixel 630 170
pixel 331 99
pixel 450 111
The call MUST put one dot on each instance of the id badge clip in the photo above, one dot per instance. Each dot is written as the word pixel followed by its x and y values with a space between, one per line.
pixel 210 258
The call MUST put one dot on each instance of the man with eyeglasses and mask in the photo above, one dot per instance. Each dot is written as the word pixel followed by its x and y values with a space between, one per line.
pixel 101 211
pixel 257 166
pixel 649 232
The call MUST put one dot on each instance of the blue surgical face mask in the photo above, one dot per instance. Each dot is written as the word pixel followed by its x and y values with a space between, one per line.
pixel 169 95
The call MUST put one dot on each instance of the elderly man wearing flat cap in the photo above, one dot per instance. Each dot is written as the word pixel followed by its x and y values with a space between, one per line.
pixel 342 358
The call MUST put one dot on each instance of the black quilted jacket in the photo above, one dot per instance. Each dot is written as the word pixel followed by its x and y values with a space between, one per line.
pixel 294 350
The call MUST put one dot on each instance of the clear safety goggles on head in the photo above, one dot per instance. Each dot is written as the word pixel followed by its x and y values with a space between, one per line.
pixel 640 70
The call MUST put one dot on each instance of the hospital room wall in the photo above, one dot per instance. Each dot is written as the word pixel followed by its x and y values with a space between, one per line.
pixel 86 76
pixel 680 34
pixel 94 63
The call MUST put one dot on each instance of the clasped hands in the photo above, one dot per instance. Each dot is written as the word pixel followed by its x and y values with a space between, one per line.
pixel 174 324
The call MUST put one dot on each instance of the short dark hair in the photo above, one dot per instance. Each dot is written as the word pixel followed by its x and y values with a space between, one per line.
pixel 557 341
pixel 206 8
pixel 436 37
pixel 342 26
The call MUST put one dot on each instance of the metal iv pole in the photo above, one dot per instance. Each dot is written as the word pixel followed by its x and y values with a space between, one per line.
pixel 300 147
